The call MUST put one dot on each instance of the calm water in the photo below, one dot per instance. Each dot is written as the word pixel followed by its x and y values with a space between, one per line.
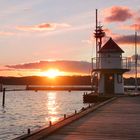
pixel 29 109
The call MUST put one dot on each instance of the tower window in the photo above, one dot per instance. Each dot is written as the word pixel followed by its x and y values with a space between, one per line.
pixel 119 78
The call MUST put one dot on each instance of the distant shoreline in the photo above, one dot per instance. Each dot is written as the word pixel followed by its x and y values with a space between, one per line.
pixel 58 81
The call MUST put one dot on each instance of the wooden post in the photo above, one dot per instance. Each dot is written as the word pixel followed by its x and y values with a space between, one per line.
pixel 3 98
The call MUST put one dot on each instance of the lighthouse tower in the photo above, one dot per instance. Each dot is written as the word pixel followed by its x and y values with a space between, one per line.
pixel 110 69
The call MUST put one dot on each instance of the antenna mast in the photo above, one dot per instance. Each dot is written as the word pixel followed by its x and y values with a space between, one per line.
pixel 99 34
pixel 136 62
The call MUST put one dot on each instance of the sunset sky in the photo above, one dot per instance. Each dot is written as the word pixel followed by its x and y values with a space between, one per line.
pixel 39 35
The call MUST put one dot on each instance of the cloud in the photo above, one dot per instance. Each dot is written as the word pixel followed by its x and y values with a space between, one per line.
pixel 43 27
pixel 5 33
pixel 127 39
pixel 118 14
pixel 80 67
pixel 131 27
pixel 122 39
pixel 63 65
pixel 109 33
pixel 138 19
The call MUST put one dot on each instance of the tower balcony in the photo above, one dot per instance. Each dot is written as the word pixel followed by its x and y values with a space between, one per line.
pixel 111 64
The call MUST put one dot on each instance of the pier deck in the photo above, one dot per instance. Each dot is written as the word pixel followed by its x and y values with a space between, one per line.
pixel 117 120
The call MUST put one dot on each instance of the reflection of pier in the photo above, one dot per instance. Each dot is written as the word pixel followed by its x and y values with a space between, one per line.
pixel 117 118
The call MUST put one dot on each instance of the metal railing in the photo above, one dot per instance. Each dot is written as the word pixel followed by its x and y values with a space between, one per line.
pixel 125 62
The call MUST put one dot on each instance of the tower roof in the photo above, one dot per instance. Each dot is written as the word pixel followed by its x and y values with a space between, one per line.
pixel 110 46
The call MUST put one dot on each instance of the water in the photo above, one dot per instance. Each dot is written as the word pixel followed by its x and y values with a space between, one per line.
pixel 30 109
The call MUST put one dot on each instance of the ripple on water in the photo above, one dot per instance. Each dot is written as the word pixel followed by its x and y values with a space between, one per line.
pixel 27 109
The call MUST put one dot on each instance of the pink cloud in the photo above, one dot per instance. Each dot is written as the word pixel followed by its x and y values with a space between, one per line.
pixel 118 14
pixel 138 19
pixel 44 27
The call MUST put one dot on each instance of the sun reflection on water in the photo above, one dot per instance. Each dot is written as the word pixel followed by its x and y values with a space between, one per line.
pixel 52 107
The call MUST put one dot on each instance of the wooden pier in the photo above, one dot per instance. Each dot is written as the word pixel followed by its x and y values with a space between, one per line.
pixel 117 119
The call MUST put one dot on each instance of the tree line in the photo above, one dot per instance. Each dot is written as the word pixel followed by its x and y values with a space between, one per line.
pixel 60 80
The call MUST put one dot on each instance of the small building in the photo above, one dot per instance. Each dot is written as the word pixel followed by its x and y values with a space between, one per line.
pixel 110 68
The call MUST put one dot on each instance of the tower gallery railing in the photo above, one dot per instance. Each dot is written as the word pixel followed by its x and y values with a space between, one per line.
pixel 124 62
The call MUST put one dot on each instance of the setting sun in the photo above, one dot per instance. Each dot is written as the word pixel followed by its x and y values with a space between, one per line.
pixel 52 73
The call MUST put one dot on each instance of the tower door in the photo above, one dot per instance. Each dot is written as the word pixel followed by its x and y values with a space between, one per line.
pixel 109 84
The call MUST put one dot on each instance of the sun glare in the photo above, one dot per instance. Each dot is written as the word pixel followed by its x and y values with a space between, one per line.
pixel 52 73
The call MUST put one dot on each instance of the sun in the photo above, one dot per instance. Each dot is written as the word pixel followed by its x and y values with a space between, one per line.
pixel 51 73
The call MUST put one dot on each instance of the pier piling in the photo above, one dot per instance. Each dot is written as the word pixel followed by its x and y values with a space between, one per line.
pixel 3 98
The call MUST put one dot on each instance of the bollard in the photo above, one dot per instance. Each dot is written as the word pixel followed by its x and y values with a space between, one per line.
pixel 75 111
pixel 64 116
pixel 28 131
pixel 50 123
pixel 3 98
pixel 82 109
pixel 89 105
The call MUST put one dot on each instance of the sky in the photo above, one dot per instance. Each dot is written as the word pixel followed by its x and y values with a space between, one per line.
pixel 39 35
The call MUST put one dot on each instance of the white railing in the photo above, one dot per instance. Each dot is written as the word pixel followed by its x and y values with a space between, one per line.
pixel 115 62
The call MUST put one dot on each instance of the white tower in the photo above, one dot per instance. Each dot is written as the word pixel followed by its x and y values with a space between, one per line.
pixel 110 69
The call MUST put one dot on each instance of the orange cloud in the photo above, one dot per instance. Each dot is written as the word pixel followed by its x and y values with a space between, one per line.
pixel 4 33
pixel 118 14
pixel 44 27
pixel 63 65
